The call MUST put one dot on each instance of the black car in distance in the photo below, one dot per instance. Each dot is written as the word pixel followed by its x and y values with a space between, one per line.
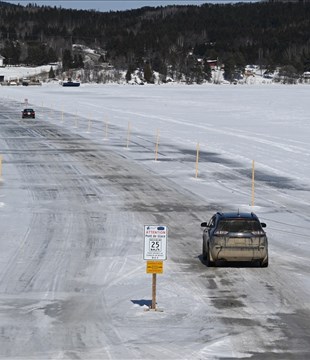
pixel 28 113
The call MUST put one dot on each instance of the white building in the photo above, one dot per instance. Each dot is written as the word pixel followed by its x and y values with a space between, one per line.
pixel 1 60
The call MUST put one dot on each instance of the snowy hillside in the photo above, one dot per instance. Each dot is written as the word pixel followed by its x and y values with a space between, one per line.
pixel 252 74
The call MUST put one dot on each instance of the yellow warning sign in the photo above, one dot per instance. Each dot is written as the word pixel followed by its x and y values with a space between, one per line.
pixel 154 267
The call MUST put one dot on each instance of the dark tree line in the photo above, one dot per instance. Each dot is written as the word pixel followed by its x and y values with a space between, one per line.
pixel 171 39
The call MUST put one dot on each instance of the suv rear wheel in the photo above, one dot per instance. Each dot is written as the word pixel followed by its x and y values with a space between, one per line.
pixel 209 262
pixel 204 254
pixel 264 264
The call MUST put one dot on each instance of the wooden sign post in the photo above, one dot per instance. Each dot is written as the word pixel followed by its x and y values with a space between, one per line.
pixel 153 307
pixel 154 268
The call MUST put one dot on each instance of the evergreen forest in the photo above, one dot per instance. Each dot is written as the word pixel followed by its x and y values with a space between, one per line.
pixel 178 39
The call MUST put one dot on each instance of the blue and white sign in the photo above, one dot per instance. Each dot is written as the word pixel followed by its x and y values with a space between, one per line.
pixel 155 242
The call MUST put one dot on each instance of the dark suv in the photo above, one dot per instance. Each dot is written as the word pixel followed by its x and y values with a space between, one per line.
pixel 234 237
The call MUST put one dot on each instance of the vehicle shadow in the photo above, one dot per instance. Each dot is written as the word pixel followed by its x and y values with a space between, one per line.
pixel 231 264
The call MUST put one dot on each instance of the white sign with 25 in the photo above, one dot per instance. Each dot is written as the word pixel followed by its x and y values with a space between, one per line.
pixel 155 242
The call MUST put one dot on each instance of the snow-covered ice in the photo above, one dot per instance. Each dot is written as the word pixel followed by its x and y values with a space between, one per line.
pixel 207 313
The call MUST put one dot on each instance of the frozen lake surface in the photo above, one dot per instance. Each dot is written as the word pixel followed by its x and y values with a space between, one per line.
pixel 98 163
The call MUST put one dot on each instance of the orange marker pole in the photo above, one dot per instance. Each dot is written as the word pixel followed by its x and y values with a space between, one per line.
pixel 106 129
pixel 156 146
pixel 128 135
pixel 76 120
pixel 197 160
pixel 253 182
pixel 89 125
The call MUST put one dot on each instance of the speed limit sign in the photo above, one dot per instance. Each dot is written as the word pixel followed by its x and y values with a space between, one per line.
pixel 155 242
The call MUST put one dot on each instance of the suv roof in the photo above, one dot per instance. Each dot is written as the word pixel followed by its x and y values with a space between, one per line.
pixel 233 215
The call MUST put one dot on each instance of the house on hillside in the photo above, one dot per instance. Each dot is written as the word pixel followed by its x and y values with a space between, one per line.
pixel 1 61
pixel 213 64
pixel 250 70
pixel 292 1
pixel 306 76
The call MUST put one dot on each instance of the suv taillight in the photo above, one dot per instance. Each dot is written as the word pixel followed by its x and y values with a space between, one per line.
pixel 220 233
pixel 258 232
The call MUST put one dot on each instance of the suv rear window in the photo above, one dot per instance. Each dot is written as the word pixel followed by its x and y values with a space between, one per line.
pixel 239 225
